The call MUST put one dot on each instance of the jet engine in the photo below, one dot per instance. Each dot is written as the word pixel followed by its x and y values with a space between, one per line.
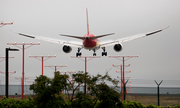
pixel 118 47
pixel 67 49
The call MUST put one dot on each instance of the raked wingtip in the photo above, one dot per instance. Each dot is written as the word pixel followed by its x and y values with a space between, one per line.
pixel 14 32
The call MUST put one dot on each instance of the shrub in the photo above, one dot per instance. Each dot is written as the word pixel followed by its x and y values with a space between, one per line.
pixel 82 101
pixel 133 104
pixel 177 106
pixel 151 106
pixel 13 103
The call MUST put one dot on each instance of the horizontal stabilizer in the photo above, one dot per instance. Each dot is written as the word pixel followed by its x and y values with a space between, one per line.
pixel 77 37
pixel 101 36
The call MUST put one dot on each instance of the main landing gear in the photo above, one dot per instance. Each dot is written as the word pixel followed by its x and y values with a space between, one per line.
pixel 94 54
pixel 78 53
pixel 104 53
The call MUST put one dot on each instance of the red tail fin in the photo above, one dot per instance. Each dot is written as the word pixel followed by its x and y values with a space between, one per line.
pixel 87 21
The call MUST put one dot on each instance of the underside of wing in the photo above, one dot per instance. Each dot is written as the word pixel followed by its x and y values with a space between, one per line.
pixel 103 44
pixel 57 41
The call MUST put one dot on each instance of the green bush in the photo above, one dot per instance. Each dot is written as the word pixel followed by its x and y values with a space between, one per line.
pixel 82 101
pixel 13 103
pixel 159 107
pixel 177 106
pixel 151 106
pixel 133 104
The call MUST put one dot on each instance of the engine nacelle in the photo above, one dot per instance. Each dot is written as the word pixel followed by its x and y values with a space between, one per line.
pixel 67 49
pixel 118 47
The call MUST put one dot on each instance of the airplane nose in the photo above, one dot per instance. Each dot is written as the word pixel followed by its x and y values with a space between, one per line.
pixel 87 38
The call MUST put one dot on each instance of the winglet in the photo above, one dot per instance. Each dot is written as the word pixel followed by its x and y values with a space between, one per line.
pixel 23 34
pixel 14 32
pixel 166 27
pixel 156 31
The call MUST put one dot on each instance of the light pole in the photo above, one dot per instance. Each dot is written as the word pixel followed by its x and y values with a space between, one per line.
pixel 65 74
pixel 7 66
pixel 42 58
pixel 2 23
pixel 3 58
pixel 122 76
pixel 56 67
pixel 85 57
pixel 123 59
pixel 23 48
pixel 22 95
pixel 33 84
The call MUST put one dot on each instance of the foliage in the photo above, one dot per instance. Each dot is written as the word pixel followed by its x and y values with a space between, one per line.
pixel 48 91
pixel 82 101
pixel 133 104
pixel 108 97
pixel 48 94
pixel 151 106
pixel 13 103
pixel 177 106
pixel 159 107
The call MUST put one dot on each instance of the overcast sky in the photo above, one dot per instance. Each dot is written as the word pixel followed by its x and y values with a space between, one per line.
pixel 158 54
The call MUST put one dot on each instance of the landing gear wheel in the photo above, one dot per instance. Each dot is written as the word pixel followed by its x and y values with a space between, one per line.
pixel 78 53
pixel 104 53
pixel 94 54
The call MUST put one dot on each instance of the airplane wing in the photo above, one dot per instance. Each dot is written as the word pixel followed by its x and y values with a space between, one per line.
pixel 57 41
pixel 112 42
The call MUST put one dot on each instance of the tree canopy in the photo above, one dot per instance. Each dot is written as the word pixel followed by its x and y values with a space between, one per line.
pixel 49 91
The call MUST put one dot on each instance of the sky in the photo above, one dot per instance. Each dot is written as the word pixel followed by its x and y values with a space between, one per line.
pixel 158 54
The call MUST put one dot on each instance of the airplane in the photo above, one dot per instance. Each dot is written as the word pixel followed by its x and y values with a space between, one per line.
pixel 90 41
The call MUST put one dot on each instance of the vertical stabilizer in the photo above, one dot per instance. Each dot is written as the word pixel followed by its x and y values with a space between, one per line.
pixel 87 21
